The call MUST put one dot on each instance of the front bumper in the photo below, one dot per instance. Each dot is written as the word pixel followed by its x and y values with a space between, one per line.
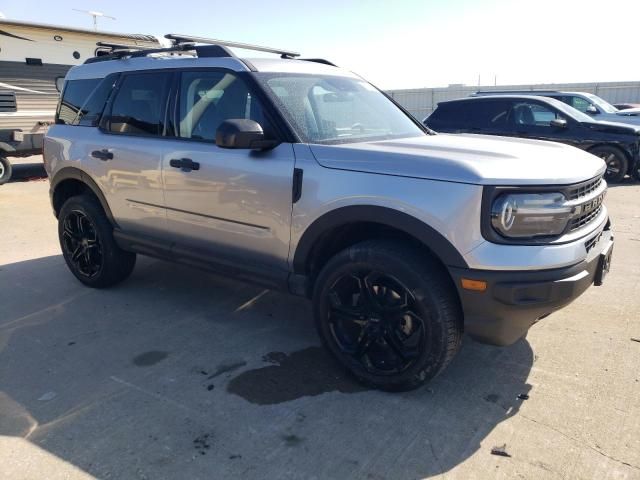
pixel 515 300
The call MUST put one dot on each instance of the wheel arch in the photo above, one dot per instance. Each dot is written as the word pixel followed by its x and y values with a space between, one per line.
pixel 621 148
pixel 323 236
pixel 71 181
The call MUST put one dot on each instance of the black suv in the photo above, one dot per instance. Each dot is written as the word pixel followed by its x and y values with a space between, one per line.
pixel 543 118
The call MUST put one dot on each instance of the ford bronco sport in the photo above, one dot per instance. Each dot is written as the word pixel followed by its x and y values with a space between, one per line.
pixel 302 176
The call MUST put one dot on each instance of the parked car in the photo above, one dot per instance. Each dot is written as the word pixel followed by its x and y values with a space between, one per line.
pixel 626 106
pixel 543 118
pixel 303 177
pixel 592 105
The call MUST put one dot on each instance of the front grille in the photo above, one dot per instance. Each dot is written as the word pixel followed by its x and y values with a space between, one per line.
pixel 8 101
pixel 583 189
pixel 584 219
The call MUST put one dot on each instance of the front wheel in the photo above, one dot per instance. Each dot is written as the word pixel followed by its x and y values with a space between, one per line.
pixel 389 313
pixel 636 171
pixel 88 246
pixel 5 170
pixel 616 162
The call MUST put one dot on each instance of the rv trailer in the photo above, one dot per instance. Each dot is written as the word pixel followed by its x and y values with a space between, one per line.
pixel 32 57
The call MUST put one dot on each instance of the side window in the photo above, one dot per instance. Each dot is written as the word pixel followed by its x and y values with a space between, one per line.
pixel 90 113
pixel 447 115
pixel 533 115
pixel 75 94
pixel 209 98
pixel 139 105
pixel 580 104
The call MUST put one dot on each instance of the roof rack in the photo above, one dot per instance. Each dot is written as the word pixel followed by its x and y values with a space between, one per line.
pixel 188 43
pixel 179 39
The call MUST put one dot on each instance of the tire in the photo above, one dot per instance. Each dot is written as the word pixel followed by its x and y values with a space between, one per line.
pixel 88 246
pixel 636 171
pixel 5 170
pixel 616 160
pixel 389 313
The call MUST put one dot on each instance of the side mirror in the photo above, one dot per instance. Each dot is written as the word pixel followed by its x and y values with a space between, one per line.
pixel 242 133
pixel 592 110
pixel 59 84
pixel 558 123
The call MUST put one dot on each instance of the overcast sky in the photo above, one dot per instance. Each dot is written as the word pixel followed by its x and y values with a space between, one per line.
pixel 397 44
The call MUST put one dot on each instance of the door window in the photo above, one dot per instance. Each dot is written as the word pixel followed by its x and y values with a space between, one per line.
pixel 580 104
pixel 139 105
pixel 209 98
pixel 527 114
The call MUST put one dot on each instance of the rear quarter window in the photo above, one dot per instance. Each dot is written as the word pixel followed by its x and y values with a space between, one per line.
pixel 470 115
pixel 75 94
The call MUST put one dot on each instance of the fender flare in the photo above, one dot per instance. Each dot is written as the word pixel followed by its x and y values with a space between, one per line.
pixel 427 235
pixel 77 174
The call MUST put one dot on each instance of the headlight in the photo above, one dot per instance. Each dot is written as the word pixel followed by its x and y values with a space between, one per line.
pixel 522 215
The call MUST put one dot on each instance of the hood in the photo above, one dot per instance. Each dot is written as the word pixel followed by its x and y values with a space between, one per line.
pixel 615 127
pixel 478 159
pixel 617 117
pixel 632 112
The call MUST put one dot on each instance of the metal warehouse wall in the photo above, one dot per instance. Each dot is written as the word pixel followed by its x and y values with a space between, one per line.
pixel 422 101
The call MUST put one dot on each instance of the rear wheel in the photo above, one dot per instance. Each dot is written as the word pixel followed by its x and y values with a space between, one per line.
pixel 5 170
pixel 88 246
pixel 388 313
pixel 615 160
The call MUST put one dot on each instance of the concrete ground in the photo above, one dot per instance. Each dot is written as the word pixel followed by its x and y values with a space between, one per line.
pixel 180 374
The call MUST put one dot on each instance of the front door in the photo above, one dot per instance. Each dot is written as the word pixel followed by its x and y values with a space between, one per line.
pixel 531 119
pixel 229 205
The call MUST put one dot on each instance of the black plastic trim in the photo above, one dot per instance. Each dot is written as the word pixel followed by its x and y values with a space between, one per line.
pixel 515 300
pixel 77 174
pixel 298 175
pixel 436 242
pixel 205 260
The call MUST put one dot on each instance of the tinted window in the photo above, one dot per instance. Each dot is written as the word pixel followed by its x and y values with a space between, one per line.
pixel 209 98
pixel 533 115
pixel 74 96
pixel 90 113
pixel 476 114
pixel 139 105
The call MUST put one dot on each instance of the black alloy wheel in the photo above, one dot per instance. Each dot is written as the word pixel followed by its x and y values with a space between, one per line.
pixel 388 311
pixel 81 244
pixel 374 319
pixel 88 246
pixel 615 160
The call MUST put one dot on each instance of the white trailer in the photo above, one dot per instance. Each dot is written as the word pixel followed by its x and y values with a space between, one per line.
pixel 32 56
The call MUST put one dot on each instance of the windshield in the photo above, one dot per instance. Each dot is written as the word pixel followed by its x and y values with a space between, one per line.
pixel 330 110
pixel 570 111
pixel 602 104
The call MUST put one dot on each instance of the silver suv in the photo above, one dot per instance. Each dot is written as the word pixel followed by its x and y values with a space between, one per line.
pixel 304 177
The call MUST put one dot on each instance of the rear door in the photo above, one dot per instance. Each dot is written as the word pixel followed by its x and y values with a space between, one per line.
pixel 235 205
pixel 125 154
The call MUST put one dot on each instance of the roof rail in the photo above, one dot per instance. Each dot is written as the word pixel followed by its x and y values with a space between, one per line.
pixel 516 90
pixel 122 51
pixel 179 39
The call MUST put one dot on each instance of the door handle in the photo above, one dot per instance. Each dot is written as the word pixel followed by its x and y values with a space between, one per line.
pixel 103 154
pixel 185 164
